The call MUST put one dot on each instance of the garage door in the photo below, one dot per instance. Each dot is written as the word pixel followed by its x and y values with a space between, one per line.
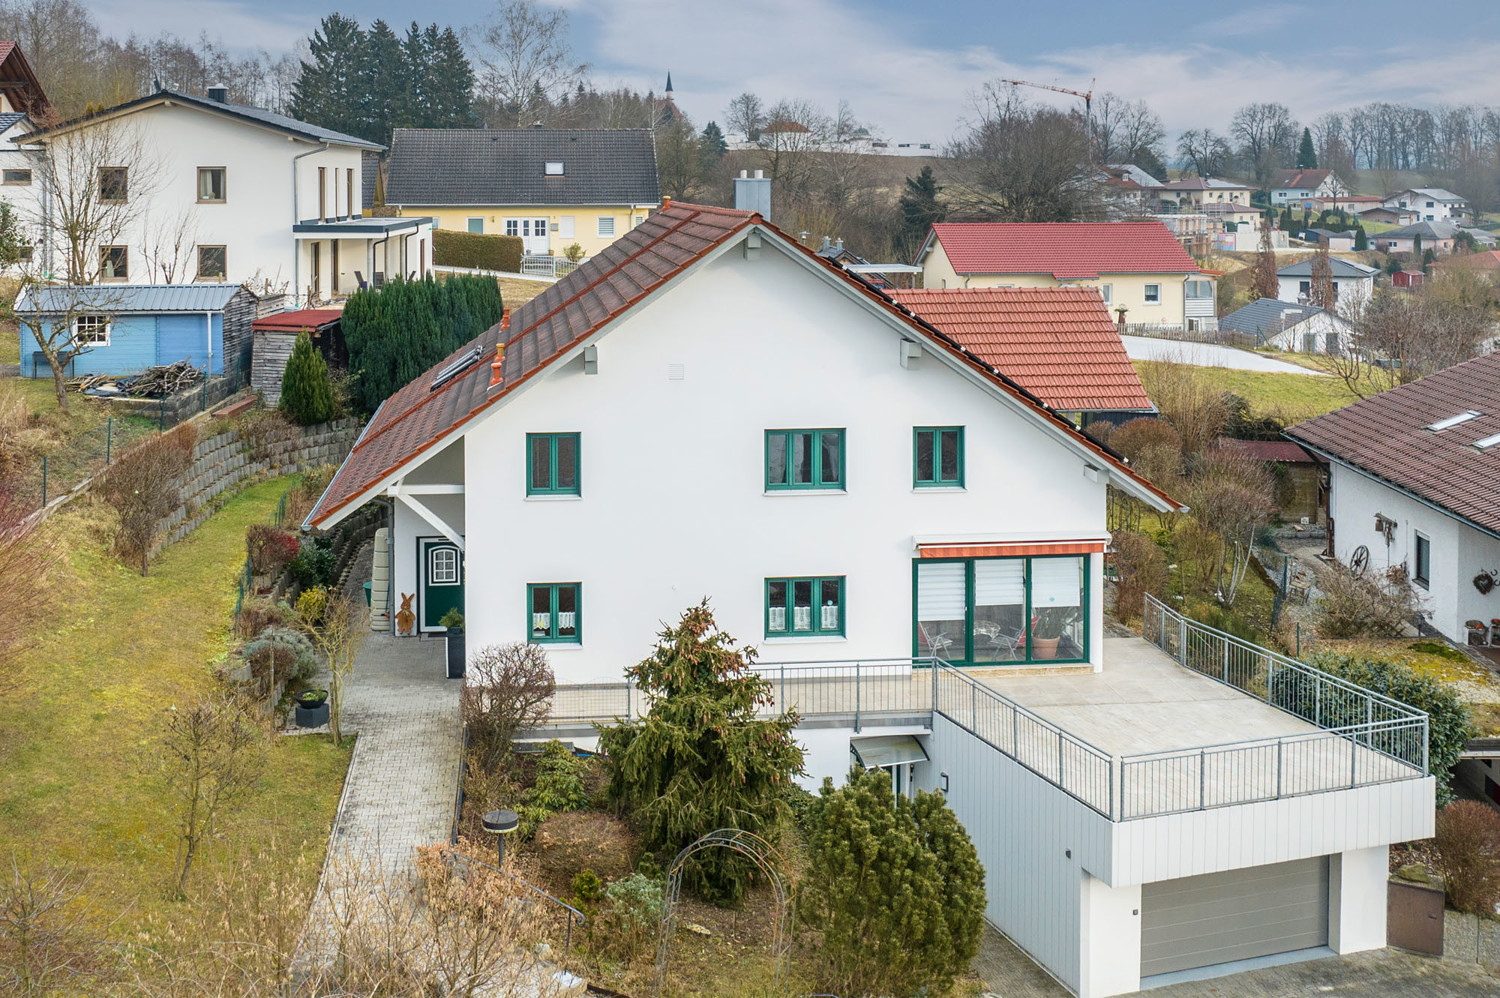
pixel 1221 917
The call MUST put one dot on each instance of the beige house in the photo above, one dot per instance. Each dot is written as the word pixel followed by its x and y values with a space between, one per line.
pixel 550 187
pixel 1195 192
pixel 1139 267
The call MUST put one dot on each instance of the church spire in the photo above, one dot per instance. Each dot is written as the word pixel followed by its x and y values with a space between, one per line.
pixel 669 85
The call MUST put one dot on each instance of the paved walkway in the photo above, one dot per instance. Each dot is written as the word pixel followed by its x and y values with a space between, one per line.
pixel 1209 355
pixel 1009 973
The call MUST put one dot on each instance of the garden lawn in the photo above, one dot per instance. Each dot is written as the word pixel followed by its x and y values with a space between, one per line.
pixel 79 729
pixel 1291 397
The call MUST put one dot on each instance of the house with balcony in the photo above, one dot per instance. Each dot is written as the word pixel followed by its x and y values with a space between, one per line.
pixel 1192 193
pixel 1432 204
pixel 195 187
pixel 551 187
pixel 1305 188
pixel 913 541
pixel 1138 267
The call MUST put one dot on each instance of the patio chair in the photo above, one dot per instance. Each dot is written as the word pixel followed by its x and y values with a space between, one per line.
pixel 361 279
pixel 936 643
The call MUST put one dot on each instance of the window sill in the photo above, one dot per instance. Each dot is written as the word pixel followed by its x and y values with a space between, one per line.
pixel 558 645
pixel 803 639
pixel 561 497
pixel 806 492
pixel 211 201
pixel 938 488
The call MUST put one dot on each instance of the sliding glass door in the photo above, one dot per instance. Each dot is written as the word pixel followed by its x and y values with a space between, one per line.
pixel 987 611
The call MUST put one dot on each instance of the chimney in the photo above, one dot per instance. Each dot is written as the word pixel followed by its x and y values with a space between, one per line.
pixel 839 245
pixel 826 243
pixel 220 94
pixel 753 193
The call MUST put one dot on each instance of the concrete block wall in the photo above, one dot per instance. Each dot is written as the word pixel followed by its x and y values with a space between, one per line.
pixel 224 462
pixel 1471 939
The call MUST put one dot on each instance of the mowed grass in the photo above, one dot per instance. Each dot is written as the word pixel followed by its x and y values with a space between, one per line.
pixel 81 725
pixel 1290 397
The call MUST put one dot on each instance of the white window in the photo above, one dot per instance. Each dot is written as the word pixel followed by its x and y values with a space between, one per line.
pixel 442 566
pixel 476 225
pixel 565 226
pixel 606 227
pixel 1107 292
pixel 1153 294
pixel 91 330
pixel 1198 289
pixel 554 168
pixel 512 226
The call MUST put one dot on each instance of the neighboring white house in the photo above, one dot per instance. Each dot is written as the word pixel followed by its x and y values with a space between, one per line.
pixel 1293 328
pixel 877 510
pixel 232 193
pixel 1353 282
pixel 1299 188
pixel 1416 483
pixel 1431 204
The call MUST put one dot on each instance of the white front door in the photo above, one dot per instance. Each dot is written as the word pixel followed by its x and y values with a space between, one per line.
pixel 535 240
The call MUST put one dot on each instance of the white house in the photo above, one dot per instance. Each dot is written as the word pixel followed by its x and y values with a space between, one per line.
pixel 1415 484
pixel 892 522
pixel 227 192
pixel 1299 188
pixel 1431 204
pixel 1294 328
pixel 1353 282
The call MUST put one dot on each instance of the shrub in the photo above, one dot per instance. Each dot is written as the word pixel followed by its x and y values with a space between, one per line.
pixel 701 758
pixel 506 687
pixel 588 890
pixel 559 786
pixel 1448 724
pixel 1352 607
pixel 314 564
pixel 278 654
pixel 632 910
pixel 574 253
pixel 567 842
pixel 895 888
pixel 306 392
pixel 1468 841
pixel 258 614
pixel 452 618
pixel 1153 447
pixel 142 486
pixel 476 250
pixel 312 605
pixel 1140 568
pixel 1188 400
pixel 269 548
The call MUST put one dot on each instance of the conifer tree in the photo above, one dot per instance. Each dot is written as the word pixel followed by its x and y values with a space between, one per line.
pixel 386 78
pixel 1361 239
pixel 1307 157
pixel 450 80
pixel 1265 283
pixel 919 209
pixel 329 89
pixel 306 393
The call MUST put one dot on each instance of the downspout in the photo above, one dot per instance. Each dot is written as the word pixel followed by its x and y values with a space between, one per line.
pixel 297 217
pixel 208 318
pixel 373 247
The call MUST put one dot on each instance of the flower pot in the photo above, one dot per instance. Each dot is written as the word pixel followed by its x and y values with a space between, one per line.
pixel 1044 647
pixel 455 642
pixel 312 717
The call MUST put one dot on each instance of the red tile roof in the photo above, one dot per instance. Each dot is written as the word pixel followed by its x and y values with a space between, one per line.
pixel 305 318
pixel 1386 436
pixel 1283 451
pixel 1301 178
pixel 420 415
pixel 1065 250
pixel 1058 343
pixel 1487 260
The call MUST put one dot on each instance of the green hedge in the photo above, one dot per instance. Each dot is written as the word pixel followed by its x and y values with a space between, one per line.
pixel 476 250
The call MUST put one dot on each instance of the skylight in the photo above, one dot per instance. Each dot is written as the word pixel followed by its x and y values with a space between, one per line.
pixel 1452 421
pixel 456 368
pixel 1493 440
pixel 554 168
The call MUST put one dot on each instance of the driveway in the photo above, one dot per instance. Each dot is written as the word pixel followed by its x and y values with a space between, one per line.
pixel 1009 973
pixel 1209 355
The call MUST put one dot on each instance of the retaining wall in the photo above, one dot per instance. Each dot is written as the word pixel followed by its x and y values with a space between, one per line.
pixel 1471 939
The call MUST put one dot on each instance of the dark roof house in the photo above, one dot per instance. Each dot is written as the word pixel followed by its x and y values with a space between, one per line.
pixel 523 166
pixel 1339 267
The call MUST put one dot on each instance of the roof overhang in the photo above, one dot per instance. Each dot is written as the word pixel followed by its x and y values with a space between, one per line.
pixel 355 227
pixel 880 751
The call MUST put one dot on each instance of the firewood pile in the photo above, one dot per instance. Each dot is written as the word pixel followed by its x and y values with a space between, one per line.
pixel 154 382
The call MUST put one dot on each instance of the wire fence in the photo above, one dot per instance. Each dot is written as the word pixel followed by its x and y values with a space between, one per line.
pixel 62 469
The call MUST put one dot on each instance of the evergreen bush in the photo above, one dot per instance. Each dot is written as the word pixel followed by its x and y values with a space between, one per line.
pixel 476 250
pixel 306 392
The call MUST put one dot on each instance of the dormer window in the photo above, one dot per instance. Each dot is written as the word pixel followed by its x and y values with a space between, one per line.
pixel 1452 421
pixel 554 168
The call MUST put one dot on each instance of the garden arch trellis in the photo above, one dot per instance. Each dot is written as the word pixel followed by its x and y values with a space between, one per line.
pixel 767 859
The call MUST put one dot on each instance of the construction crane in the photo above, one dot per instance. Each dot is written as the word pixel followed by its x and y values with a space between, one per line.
pixel 1088 103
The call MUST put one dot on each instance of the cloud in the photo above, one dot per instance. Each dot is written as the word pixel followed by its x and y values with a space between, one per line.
pixel 230 23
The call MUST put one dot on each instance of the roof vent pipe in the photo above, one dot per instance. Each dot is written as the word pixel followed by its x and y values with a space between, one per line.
pixel 220 94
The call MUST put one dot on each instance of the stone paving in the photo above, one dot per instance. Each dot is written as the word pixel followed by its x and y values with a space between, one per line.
pixel 1009 973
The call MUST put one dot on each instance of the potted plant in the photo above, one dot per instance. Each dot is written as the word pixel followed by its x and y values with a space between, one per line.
pixel 1048 628
pixel 312 708
pixel 453 621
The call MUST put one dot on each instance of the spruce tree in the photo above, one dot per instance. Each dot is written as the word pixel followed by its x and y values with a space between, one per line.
pixel 893 886
pixel 919 209
pixel 385 80
pixel 450 80
pixel 711 146
pixel 329 90
pixel 306 393
pixel 1361 240
pixel 1307 157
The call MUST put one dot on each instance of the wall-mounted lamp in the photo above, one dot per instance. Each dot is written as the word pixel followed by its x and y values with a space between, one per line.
pixel 944 778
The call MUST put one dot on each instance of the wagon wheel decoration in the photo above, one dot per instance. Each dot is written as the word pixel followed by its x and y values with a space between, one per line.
pixel 1359 561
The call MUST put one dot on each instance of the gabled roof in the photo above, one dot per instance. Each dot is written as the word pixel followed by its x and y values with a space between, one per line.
pixel 1283 451
pixel 25 90
pixel 478 166
pixel 1485 260
pixel 1387 437
pixel 1058 343
pixel 57 299
pixel 1064 250
pixel 1427 230
pixel 1310 179
pixel 1205 184
pixel 238 112
pixel 1339 266
pixel 1267 317
pixel 1132 174
pixel 1435 193
pixel 10 118
pixel 441 401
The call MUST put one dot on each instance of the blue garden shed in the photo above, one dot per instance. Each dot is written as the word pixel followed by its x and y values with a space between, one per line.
pixel 131 327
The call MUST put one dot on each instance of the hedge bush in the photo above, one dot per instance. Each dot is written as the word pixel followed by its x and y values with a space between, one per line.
pixel 476 250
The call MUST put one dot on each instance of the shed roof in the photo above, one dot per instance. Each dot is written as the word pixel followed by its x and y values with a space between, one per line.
pixel 55 299
pixel 1266 317
pixel 296 321
pixel 1065 250
pixel 1058 343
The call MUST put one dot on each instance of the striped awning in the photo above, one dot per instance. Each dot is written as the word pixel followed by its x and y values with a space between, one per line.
pixel 1009 549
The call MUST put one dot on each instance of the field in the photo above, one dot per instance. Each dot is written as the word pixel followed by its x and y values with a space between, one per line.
pixel 80 715
pixel 1290 397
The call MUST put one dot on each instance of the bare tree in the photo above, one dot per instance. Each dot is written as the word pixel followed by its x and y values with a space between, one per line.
pixel 1127 131
pixel 170 247
pixel 1322 293
pixel 1233 496
pixel 1399 337
pixel 1265 283
pixel 339 633
pixel 1267 134
pixel 143 488
pixel 526 58
pixel 745 115
pixel 47 944
pixel 1206 152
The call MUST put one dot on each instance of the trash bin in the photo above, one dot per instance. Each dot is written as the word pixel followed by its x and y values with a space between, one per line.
pixel 367 594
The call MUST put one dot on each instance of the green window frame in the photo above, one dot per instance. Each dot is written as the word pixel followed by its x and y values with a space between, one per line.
pixel 822 597
pixel 554 613
pixel 554 465
pixel 931 448
pixel 1025 652
pixel 804 459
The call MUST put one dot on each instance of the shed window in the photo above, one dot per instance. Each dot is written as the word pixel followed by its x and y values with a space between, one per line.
pixel 212 263
pixel 555 610
pixel 804 606
pixel 210 184
pixel 91 330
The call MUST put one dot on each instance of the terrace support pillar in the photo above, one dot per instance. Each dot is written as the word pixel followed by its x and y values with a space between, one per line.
pixel 1110 945
pixel 1357 899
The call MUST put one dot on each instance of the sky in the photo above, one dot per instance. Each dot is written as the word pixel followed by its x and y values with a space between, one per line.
pixel 909 69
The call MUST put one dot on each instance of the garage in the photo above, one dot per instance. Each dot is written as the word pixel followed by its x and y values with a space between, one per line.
pixel 1239 915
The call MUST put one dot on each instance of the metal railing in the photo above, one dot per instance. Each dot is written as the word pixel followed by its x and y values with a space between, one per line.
pixel 547 266
pixel 561 907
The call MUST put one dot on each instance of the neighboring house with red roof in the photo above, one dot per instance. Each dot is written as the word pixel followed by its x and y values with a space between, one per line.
pixel 1415 482
pixel 1138 266
pixel 1300 188
pixel 1060 344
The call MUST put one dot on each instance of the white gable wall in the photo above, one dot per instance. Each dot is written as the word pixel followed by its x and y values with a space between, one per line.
pixel 674 506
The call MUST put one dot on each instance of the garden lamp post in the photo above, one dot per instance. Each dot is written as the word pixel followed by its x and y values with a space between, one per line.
pixel 500 824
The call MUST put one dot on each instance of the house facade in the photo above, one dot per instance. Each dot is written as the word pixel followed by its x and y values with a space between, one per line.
pixel 1432 204
pixel 1415 485
pixel 216 191
pixel 552 188
pixel 1294 328
pixel 1193 193
pixel 1416 238
pixel 1353 282
pixel 1305 188
pixel 1138 266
